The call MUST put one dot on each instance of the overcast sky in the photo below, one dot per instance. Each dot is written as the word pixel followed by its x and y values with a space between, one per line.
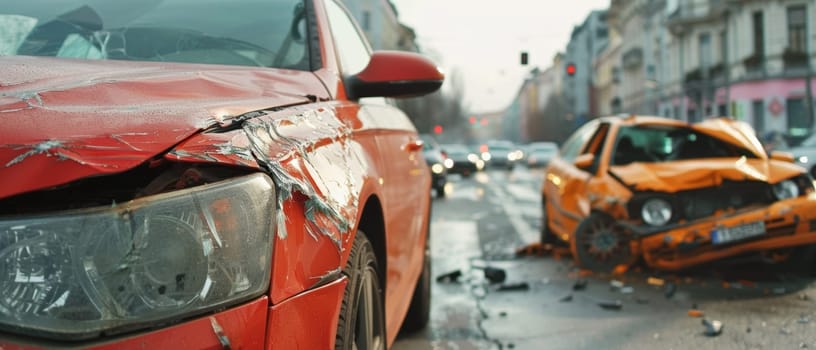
pixel 483 40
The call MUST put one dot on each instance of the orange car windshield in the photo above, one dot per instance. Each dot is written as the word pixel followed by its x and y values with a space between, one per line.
pixel 653 144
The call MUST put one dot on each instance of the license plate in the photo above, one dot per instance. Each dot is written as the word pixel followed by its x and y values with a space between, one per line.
pixel 736 233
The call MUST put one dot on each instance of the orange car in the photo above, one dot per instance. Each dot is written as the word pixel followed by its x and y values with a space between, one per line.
pixel 208 175
pixel 674 193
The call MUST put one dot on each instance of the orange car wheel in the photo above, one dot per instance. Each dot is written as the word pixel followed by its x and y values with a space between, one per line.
pixel 362 316
pixel 599 244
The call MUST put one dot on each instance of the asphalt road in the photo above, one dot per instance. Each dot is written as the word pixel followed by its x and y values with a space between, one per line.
pixel 546 303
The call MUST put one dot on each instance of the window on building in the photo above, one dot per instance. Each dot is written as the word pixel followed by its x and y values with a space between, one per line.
pixel 722 111
pixel 724 48
pixel 798 122
pixel 759 34
pixel 705 51
pixel 758 114
pixel 797 24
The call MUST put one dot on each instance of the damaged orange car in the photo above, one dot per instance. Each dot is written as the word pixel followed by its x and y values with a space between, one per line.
pixel 674 194
pixel 207 175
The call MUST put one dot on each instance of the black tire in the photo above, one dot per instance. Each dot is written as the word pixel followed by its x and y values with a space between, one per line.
pixel 362 316
pixel 547 235
pixel 600 245
pixel 440 191
pixel 420 310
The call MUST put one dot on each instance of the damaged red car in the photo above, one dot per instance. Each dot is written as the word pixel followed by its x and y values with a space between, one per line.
pixel 674 194
pixel 207 175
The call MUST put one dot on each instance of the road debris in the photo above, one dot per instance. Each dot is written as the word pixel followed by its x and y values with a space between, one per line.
pixel 669 289
pixel 656 281
pixel 696 313
pixel 565 299
pixel 580 284
pixel 627 290
pixel 495 275
pixel 452 276
pixel 620 269
pixel 803 320
pixel 614 305
pixel 713 328
pixel 616 285
pixel 514 287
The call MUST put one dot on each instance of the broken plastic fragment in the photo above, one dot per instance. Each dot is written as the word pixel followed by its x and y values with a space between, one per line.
pixel 620 269
pixel 614 305
pixel 695 313
pixel 580 285
pixel 713 328
pixel 565 299
pixel 669 290
pixel 615 284
pixel 452 276
pixel 656 281
pixel 514 287
pixel 495 275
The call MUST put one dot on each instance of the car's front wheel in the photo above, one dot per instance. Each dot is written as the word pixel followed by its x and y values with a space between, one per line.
pixel 600 244
pixel 362 318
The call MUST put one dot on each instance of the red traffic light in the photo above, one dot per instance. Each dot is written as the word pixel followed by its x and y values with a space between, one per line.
pixel 437 129
pixel 472 120
pixel 570 69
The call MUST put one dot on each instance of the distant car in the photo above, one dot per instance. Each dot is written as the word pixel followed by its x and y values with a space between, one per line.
pixel 436 159
pixel 503 154
pixel 208 175
pixel 674 193
pixel 461 160
pixel 805 154
pixel 539 153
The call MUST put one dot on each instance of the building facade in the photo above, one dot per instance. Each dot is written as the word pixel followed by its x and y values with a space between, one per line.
pixel 586 43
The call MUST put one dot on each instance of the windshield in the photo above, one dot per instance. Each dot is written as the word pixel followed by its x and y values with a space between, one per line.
pixel 266 33
pixel 662 144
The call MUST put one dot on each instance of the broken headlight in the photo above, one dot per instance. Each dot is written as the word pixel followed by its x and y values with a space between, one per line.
pixel 75 274
pixel 656 211
pixel 786 189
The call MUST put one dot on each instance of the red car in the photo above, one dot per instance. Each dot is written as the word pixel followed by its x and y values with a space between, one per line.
pixel 207 175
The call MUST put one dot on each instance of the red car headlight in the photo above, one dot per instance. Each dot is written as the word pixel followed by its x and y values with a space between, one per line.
pixel 76 274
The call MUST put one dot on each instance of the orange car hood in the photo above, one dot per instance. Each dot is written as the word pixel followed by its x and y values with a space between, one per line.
pixel 701 173
pixel 69 119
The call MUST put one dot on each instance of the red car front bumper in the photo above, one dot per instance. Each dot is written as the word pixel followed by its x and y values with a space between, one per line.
pixel 306 321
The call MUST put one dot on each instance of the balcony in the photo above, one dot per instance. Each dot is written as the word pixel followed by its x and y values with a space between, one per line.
pixel 692 12
pixel 795 60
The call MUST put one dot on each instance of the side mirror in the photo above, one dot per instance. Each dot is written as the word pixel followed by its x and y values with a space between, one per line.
pixel 584 161
pixel 395 74
pixel 783 156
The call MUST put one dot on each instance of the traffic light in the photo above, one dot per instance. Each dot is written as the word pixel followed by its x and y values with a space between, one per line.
pixel 472 120
pixel 570 69
pixel 437 129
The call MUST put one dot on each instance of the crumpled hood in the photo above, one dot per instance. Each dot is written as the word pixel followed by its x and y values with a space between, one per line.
pixel 701 173
pixel 63 120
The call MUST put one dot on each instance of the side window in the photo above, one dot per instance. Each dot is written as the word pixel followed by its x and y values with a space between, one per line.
pixel 351 47
pixel 571 148
pixel 596 147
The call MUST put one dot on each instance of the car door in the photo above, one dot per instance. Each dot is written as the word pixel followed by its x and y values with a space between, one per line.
pixel 400 166
pixel 568 200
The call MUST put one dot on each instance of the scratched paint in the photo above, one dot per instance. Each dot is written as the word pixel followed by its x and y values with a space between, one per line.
pixel 327 174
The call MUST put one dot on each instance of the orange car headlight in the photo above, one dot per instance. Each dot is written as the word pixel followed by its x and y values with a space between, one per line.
pixel 656 211
pixel 786 189
pixel 75 274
